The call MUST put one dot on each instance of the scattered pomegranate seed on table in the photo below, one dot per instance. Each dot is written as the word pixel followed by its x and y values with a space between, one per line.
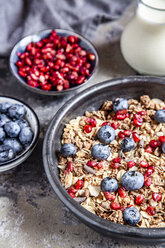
pixel 55 63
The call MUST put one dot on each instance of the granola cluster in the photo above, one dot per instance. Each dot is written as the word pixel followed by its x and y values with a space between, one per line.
pixel 82 181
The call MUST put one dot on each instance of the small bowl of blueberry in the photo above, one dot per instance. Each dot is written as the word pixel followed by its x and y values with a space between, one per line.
pixel 19 132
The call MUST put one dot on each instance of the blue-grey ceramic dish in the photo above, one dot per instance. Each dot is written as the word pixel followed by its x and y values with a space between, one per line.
pixel 21 45
pixel 33 121
pixel 92 99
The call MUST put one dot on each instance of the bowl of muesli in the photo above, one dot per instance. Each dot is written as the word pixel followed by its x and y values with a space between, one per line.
pixel 104 155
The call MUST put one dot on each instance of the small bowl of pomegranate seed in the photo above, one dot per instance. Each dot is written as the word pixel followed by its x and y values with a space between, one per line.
pixel 19 132
pixel 53 62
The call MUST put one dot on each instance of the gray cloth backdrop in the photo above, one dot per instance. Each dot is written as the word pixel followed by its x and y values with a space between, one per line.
pixel 22 17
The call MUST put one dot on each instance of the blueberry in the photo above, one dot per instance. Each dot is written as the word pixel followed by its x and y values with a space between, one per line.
pixel 109 184
pixel 6 153
pixel 160 116
pixel 68 150
pixel 4 107
pixel 127 144
pixel 131 216
pixel 132 180
pixel 163 147
pixel 16 111
pixel 26 135
pixel 22 123
pixel 12 129
pixel 119 104
pixel 2 134
pixel 14 144
pixel 106 134
pixel 100 151
pixel 3 119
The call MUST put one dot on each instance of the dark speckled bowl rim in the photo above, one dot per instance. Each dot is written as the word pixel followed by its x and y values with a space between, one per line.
pixel 6 164
pixel 129 233
pixel 53 93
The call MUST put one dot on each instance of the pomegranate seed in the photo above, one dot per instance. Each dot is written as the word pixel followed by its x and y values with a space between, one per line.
pixel 22 74
pixel 120 116
pixel 137 123
pixel 115 165
pixel 105 123
pixel 59 87
pixel 47 87
pixel 148 149
pixel 130 164
pixel 92 163
pixel 147 181
pixel 115 125
pixel 144 164
pixel 162 139
pixel 142 112
pixel 109 196
pixel 87 128
pixel 91 56
pixel 19 63
pixel 70 167
pixel 100 165
pixel 153 143
pixel 92 122
pixel 79 184
pixel 127 133
pixel 151 211
pixel 80 80
pixel 72 39
pixel 137 120
pixel 122 193
pixel 122 111
pixel 135 136
pixel 149 170
pixel 139 199
pixel 121 135
pixel 156 197
pixel 72 189
pixel 115 205
pixel 116 160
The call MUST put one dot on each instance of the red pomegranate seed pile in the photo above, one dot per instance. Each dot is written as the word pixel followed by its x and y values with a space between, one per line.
pixel 55 63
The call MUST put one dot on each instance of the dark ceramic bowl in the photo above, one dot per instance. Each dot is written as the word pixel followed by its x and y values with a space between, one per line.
pixel 33 121
pixel 21 45
pixel 92 99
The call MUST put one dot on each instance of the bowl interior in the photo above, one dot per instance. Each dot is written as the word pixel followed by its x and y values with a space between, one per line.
pixel 21 45
pixel 92 99
pixel 34 124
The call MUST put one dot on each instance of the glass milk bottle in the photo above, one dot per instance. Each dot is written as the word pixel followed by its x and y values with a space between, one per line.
pixel 143 39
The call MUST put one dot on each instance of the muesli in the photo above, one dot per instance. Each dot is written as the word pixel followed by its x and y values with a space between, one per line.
pixel 112 161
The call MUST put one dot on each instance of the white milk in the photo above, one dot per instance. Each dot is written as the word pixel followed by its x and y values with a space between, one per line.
pixel 143 39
